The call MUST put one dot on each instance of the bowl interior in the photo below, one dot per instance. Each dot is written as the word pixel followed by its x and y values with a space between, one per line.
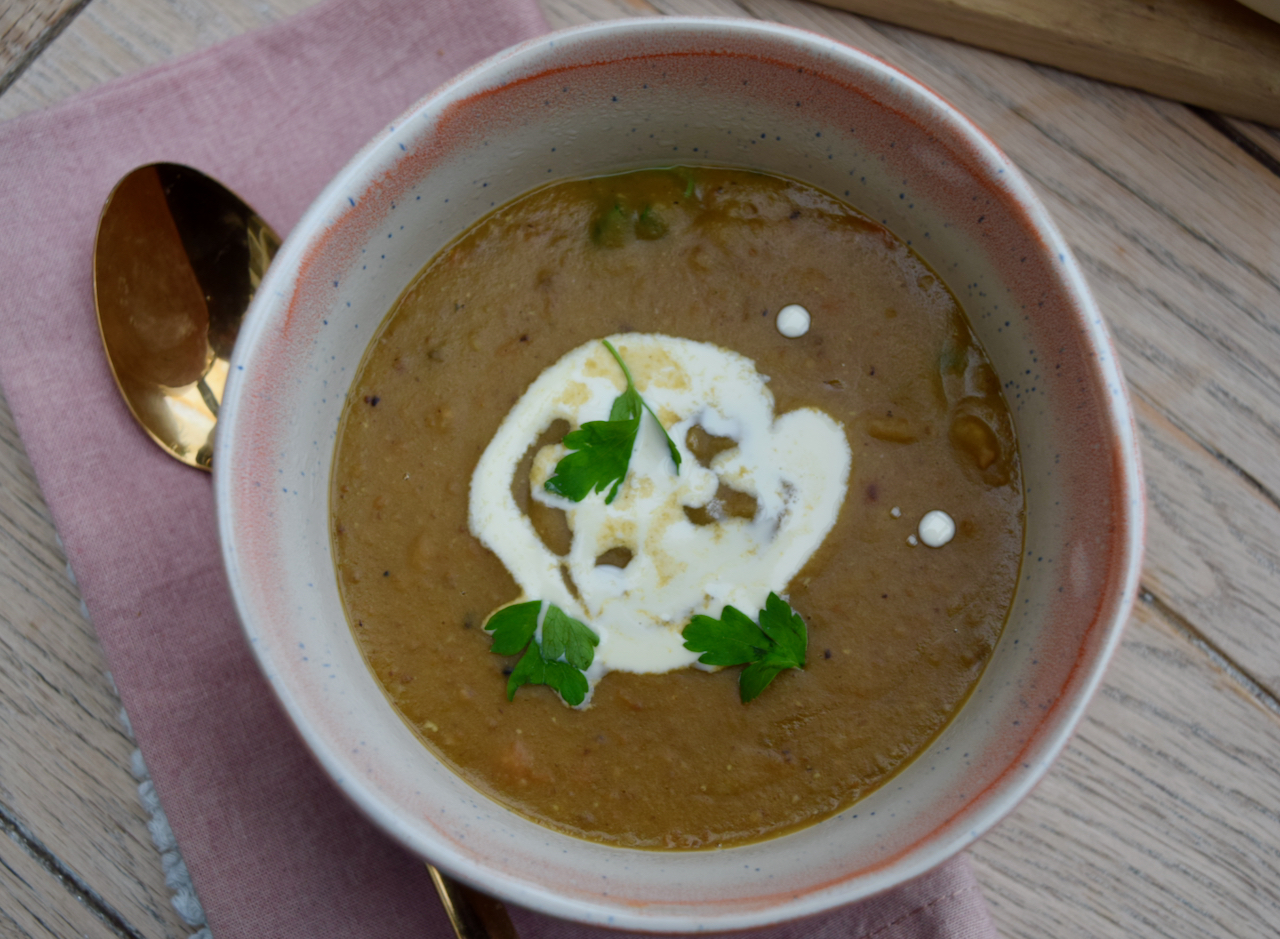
pixel 603 99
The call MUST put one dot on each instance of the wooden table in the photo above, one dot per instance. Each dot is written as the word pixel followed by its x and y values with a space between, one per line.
pixel 1162 818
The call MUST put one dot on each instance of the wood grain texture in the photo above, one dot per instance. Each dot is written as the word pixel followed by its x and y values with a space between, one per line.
pixel 36 905
pixel 1263 143
pixel 1160 819
pixel 1218 55
pixel 1213 555
pixel 26 29
pixel 562 14
pixel 64 776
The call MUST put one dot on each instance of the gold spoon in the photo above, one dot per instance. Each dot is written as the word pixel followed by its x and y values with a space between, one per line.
pixel 177 259
pixel 176 262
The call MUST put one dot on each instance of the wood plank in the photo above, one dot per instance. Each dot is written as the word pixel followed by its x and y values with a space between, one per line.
pixel 1212 552
pixel 1218 55
pixel 1251 135
pixel 1160 817
pixel 26 29
pixel 34 904
pixel 561 14
pixel 65 774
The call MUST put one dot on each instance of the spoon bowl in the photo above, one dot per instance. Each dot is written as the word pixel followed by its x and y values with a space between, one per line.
pixel 177 259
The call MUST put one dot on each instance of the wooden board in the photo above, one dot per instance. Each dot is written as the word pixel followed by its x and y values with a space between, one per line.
pixel 1217 54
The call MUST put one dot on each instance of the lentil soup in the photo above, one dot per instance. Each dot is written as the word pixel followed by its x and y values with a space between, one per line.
pixel 898 632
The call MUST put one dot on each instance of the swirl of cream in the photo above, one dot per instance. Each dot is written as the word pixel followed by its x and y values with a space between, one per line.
pixel 795 466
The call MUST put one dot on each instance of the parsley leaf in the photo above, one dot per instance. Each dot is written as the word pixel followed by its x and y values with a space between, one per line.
pixel 515 628
pixel 780 641
pixel 602 453
pixel 733 639
pixel 785 627
pixel 565 637
pixel 602 449
pixel 533 669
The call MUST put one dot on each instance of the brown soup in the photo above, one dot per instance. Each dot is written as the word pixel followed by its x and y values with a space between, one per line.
pixel 898 632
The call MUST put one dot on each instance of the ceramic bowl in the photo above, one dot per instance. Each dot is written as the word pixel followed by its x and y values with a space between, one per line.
pixel 621 95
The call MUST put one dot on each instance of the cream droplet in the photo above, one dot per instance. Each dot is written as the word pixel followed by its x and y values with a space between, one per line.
pixel 793 320
pixel 896 512
pixel 937 528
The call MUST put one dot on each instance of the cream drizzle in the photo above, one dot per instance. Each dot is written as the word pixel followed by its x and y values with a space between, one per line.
pixel 796 466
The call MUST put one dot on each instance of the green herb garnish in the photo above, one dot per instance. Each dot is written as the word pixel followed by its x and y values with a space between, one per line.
pixel 602 449
pixel 609 230
pixel 780 641
pixel 559 660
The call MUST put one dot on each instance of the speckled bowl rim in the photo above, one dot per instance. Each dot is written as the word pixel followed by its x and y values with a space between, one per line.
pixel 983 810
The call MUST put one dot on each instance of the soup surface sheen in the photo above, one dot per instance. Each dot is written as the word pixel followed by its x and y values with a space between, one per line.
pixel 898 632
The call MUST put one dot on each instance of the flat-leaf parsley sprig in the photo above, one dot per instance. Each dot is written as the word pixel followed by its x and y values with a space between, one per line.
pixel 779 641
pixel 565 652
pixel 602 449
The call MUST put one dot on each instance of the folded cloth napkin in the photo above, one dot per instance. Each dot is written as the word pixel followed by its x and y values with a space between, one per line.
pixel 272 847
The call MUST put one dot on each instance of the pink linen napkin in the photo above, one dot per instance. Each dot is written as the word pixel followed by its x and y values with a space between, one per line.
pixel 272 847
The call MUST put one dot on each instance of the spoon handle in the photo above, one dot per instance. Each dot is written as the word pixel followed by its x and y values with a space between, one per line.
pixel 473 915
